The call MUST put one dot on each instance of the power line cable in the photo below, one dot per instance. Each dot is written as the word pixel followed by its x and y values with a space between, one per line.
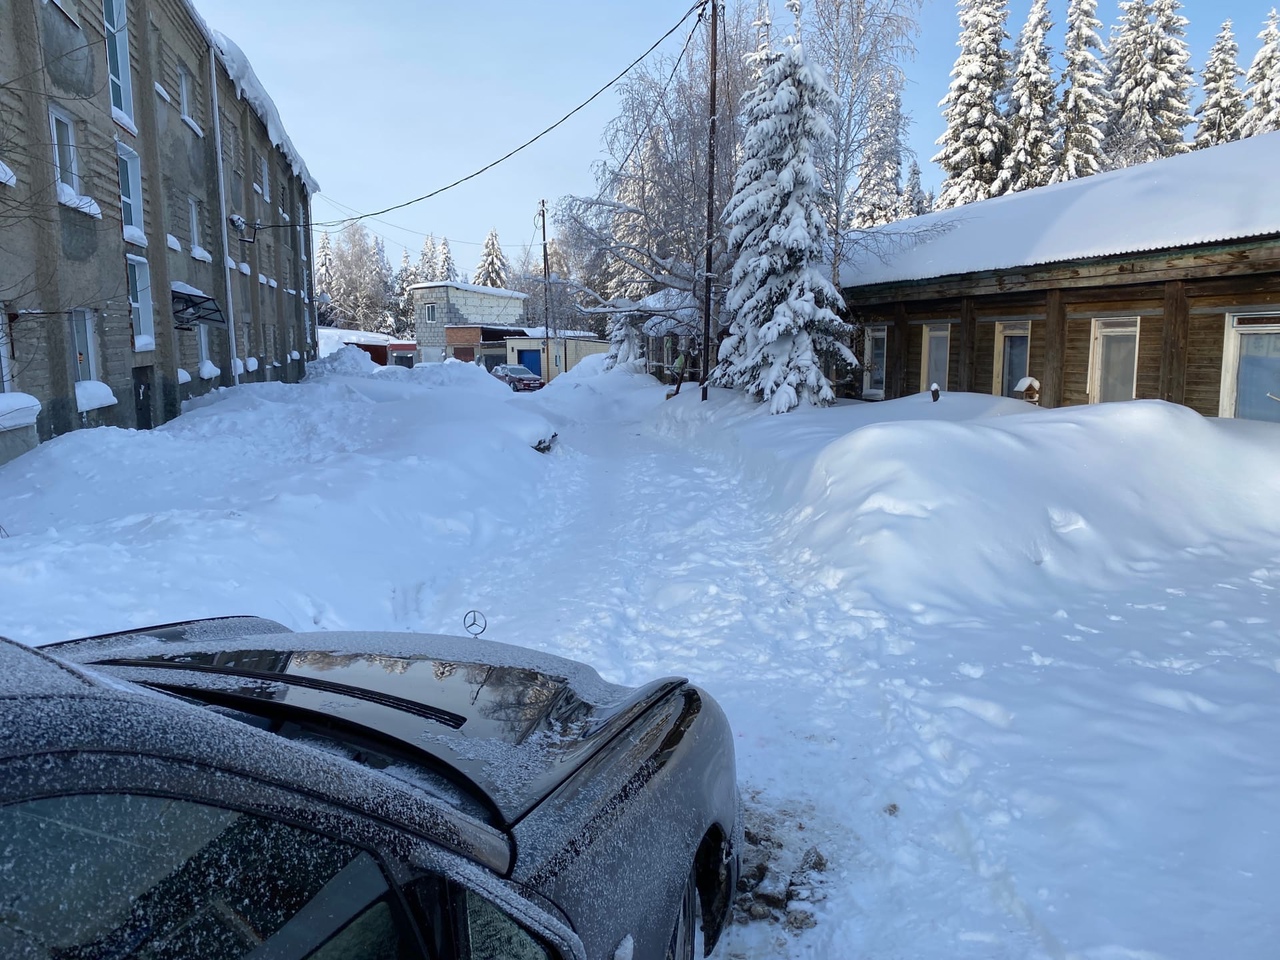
pixel 337 224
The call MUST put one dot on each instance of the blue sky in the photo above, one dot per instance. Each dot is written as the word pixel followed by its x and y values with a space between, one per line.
pixel 390 99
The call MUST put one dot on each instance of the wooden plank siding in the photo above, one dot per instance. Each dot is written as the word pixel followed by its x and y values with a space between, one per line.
pixel 1183 300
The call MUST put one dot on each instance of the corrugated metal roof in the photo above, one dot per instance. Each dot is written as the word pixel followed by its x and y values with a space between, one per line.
pixel 1230 192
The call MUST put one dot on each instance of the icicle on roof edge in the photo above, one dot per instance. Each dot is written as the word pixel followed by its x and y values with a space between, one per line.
pixel 250 87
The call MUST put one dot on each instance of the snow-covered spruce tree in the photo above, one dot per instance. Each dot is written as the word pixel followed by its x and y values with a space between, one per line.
pixel 626 340
pixel 1171 58
pixel 784 325
pixel 977 137
pixel 1220 112
pixel 1151 84
pixel 493 269
pixel 429 261
pixel 912 202
pixel 880 172
pixel 1031 160
pixel 1263 79
pixel 447 271
pixel 1085 104
pixel 405 278
pixel 324 279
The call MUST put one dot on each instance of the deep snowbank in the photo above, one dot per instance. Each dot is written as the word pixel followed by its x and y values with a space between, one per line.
pixel 934 507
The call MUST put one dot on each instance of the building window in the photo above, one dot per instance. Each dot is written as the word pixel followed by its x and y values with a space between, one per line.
pixel 65 165
pixel 83 340
pixel 1251 368
pixel 116 21
pixel 935 356
pixel 6 356
pixel 1013 353
pixel 266 179
pixel 66 6
pixel 144 330
pixel 130 191
pixel 875 351
pixel 1113 360
pixel 187 99
pixel 193 221
pixel 202 342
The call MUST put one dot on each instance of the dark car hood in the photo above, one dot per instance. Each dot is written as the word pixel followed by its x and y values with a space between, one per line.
pixel 511 723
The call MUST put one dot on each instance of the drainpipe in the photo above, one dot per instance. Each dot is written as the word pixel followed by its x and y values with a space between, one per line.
pixel 222 207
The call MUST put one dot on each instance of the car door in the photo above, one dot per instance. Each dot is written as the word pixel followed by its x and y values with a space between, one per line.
pixel 139 857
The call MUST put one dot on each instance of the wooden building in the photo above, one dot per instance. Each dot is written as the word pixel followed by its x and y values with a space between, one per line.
pixel 1155 282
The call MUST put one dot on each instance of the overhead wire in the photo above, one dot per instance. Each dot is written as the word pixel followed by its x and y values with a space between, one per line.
pixel 338 224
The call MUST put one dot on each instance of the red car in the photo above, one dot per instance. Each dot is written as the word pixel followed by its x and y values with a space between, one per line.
pixel 518 378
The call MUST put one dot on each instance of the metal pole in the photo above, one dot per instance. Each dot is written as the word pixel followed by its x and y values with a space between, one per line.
pixel 547 344
pixel 711 210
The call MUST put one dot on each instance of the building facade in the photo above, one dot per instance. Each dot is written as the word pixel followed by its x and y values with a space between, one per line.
pixel 136 149
pixel 447 303
pixel 1154 282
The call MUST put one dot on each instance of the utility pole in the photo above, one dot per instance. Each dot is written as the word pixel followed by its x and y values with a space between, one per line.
pixel 547 343
pixel 711 210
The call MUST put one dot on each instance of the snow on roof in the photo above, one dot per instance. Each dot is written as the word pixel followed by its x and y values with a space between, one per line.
pixel 1229 192
pixel 364 336
pixel 539 333
pixel 473 287
pixel 250 87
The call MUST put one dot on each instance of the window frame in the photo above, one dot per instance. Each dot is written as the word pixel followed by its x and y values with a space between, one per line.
pixel 82 319
pixel 127 156
pixel 870 335
pixel 1102 327
pixel 1228 392
pixel 186 99
pixel 69 8
pixel 58 114
pixel 6 360
pixel 1005 329
pixel 926 381
pixel 141 311
pixel 117 42
pixel 193 221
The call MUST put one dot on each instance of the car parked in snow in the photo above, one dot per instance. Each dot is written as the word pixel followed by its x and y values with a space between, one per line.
pixel 226 788
pixel 517 377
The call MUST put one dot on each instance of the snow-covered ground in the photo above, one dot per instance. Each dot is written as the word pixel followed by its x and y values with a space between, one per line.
pixel 1014 672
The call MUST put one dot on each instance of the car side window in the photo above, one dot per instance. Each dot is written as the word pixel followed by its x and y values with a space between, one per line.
pixel 489 934
pixel 129 876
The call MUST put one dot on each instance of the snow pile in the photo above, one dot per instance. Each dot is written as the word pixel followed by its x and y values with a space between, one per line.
pixel 134 235
pixel 18 410
pixel 86 205
pixel 93 395
pixel 250 87
pixel 995 757
pixel 932 508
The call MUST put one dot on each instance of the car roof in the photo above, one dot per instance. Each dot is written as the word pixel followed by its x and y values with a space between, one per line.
pixel 51 707
pixel 507 724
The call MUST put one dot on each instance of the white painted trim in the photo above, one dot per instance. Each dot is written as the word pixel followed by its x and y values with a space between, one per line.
pixel 874 333
pixel 1097 330
pixel 925 381
pixel 119 31
pixel 1227 393
pixel 1008 328
pixel 57 113
pixel 91 341
pixel 146 308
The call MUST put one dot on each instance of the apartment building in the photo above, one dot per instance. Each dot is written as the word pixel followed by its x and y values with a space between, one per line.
pixel 153 219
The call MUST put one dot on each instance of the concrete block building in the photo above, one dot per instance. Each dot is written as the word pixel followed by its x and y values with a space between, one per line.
pixel 449 303
pixel 137 152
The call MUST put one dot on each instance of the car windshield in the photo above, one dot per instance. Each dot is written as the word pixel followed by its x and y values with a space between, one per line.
pixel 520 372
